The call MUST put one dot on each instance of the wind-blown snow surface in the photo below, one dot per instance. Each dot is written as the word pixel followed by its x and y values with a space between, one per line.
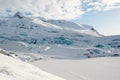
pixel 89 69
pixel 11 69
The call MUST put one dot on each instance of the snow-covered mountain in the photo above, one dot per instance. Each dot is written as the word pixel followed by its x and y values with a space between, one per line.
pixel 39 31
pixel 54 39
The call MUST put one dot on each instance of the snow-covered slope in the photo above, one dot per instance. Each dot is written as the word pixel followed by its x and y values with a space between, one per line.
pixel 11 69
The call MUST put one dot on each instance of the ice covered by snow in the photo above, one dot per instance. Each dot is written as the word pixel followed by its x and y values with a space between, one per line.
pixel 11 69
pixel 90 69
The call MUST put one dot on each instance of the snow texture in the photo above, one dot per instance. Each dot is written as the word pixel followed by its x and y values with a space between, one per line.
pixel 11 69
pixel 90 69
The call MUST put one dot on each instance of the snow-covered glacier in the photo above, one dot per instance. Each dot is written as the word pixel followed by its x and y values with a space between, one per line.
pixel 54 39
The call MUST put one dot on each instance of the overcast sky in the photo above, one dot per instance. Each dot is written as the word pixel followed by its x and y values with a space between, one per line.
pixel 104 15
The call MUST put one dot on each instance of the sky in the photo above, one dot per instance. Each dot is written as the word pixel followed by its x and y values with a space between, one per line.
pixel 103 15
pixel 106 23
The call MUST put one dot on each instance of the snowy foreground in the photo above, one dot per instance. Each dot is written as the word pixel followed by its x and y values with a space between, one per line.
pixel 11 69
pixel 87 69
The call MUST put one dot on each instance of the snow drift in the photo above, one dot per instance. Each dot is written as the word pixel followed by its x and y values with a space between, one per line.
pixel 11 69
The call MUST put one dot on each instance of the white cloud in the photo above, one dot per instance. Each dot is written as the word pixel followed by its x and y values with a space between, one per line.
pixel 102 5
pixel 53 9
pixel 110 2
pixel 56 9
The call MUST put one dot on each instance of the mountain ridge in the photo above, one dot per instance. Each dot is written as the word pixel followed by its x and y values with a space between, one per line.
pixel 51 37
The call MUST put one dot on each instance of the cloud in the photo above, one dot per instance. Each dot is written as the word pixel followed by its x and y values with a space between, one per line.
pixel 110 2
pixel 100 5
pixel 56 9
pixel 52 9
